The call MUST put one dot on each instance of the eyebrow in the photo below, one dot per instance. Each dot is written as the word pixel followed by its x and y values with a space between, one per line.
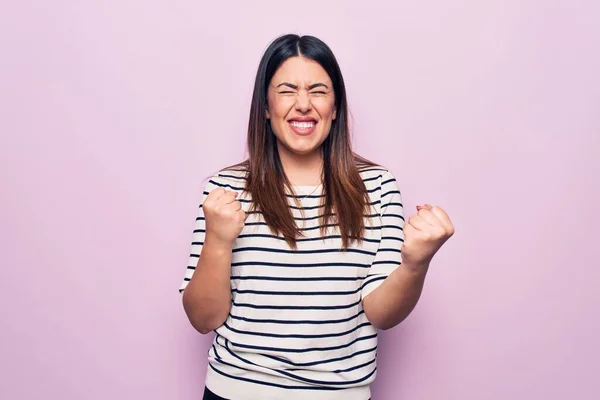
pixel 314 85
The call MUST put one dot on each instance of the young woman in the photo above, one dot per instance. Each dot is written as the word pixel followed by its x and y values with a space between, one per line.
pixel 296 256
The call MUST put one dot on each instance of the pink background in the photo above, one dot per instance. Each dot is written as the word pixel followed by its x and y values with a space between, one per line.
pixel 113 113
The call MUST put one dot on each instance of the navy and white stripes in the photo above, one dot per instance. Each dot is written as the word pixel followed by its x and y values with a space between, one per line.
pixel 297 327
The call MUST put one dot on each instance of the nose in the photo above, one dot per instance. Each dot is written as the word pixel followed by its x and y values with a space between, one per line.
pixel 303 103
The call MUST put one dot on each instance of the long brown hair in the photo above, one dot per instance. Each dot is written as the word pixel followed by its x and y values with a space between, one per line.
pixel 345 192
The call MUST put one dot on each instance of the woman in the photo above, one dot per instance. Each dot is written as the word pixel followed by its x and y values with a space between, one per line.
pixel 296 254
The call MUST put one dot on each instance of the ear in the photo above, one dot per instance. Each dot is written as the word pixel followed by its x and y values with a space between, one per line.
pixel 267 114
pixel 334 114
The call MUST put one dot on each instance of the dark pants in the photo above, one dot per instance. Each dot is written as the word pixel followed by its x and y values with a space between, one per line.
pixel 208 395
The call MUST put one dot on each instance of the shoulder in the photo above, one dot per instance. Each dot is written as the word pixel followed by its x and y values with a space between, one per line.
pixel 229 178
pixel 372 171
pixel 376 174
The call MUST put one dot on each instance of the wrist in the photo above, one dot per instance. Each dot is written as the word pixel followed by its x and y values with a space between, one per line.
pixel 416 268
pixel 217 244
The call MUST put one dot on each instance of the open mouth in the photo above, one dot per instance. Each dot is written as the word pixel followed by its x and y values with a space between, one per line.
pixel 303 127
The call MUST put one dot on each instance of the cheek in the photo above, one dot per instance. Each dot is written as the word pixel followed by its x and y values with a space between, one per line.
pixel 326 109
pixel 280 108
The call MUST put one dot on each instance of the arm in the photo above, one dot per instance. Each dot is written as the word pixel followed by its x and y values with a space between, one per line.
pixel 395 281
pixel 396 297
pixel 206 287
pixel 207 297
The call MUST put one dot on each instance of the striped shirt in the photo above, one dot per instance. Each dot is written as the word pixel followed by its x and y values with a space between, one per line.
pixel 297 328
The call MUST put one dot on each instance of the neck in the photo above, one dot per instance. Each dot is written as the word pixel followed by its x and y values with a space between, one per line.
pixel 302 169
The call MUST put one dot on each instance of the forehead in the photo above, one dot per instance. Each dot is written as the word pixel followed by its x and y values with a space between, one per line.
pixel 300 70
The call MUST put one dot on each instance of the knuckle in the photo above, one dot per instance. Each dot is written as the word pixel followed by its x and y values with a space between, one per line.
pixel 430 235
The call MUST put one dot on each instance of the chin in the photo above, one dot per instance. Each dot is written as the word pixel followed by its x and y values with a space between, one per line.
pixel 301 145
pixel 302 150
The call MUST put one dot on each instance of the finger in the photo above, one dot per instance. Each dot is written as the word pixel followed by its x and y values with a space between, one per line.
pixel 443 217
pixel 408 231
pixel 429 217
pixel 219 193
pixel 419 223
pixel 216 193
pixel 229 197
pixel 246 215
pixel 440 214
pixel 233 206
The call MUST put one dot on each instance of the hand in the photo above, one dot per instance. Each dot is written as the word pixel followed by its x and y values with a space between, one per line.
pixel 224 215
pixel 424 234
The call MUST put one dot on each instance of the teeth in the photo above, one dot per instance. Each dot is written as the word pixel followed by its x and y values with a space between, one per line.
pixel 303 125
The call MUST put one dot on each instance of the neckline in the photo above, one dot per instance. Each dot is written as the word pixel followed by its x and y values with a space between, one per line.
pixel 306 189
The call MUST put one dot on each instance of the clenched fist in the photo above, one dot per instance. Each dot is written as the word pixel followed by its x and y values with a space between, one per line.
pixel 224 215
pixel 424 234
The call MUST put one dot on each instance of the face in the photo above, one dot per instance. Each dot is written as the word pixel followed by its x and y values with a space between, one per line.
pixel 301 106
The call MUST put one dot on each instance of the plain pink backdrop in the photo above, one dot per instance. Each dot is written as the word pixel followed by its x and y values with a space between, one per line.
pixel 113 113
